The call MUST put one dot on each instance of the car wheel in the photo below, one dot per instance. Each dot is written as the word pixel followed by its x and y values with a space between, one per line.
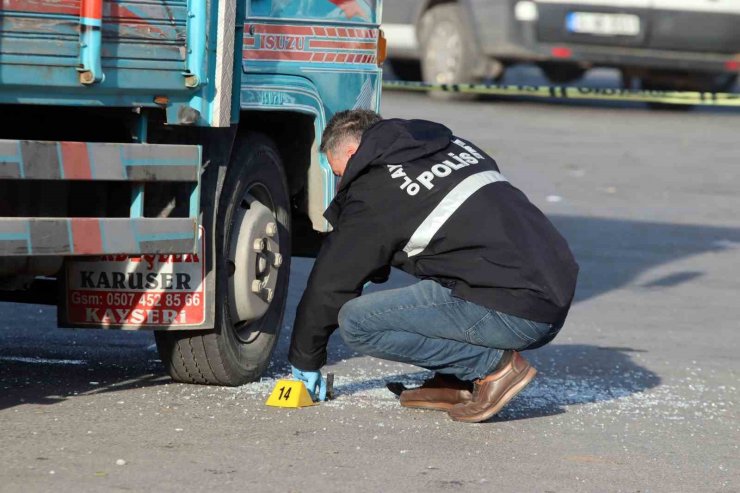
pixel 450 54
pixel 561 73
pixel 406 69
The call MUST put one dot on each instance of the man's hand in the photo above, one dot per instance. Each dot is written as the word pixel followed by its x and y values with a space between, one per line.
pixel 312 380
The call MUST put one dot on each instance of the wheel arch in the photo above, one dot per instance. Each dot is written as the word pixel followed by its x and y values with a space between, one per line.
pixel 290 111
pixel 426 5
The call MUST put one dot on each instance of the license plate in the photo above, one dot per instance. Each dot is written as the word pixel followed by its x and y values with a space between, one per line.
pixel 603 24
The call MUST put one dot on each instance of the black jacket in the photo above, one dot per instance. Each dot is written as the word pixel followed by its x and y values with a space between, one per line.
pixel 418 198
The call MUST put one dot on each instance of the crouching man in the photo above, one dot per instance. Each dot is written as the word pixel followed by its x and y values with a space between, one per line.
pixel 495 276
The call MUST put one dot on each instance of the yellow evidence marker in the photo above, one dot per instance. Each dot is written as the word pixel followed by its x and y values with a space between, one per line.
pixel 289 393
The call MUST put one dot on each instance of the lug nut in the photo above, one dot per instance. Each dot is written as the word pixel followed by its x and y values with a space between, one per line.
pixel 277 260
pixel 258 245
pixel 271 229
pixel 256 286
pixel 268 295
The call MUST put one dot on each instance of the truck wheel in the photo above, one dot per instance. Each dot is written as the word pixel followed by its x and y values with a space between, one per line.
pixel 450 54
pixel 252 268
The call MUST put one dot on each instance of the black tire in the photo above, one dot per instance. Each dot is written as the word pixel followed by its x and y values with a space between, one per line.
pixel 561 73
pixel 443 26
pixel 406 69
pixel 225 356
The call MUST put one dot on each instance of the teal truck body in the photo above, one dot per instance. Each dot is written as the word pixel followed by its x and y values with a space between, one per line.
pixel 159 162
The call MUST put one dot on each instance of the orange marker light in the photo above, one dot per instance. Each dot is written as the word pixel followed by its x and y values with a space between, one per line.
pixel 382 48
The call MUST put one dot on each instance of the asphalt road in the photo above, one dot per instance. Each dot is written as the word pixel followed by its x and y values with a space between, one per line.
pixel 638 393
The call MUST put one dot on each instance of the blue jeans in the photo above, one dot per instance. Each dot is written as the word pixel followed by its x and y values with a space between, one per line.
pixel 424 325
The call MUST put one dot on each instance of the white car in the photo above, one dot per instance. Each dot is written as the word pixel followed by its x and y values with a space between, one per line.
pixel 658 44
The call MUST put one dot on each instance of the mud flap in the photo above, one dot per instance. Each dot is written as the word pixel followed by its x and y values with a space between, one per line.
pixel 155 292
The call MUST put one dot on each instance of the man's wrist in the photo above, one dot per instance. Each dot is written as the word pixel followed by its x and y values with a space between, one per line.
pixel 306 364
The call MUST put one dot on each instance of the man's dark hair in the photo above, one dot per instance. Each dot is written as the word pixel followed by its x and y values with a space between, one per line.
pixel 347 124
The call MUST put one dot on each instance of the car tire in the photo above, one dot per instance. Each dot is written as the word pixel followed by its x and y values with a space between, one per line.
pixel 562 73
pixel 236 352
pixel 449 52
pixel 409 70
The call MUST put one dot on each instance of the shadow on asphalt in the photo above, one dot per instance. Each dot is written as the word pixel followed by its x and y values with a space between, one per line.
pixel 577 374
pixel 31 383
pixel 42 365
pixel 567 376
pixel 614 252
pixel 50 365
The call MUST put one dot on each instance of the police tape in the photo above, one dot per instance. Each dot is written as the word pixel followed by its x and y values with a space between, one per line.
pixel 576 93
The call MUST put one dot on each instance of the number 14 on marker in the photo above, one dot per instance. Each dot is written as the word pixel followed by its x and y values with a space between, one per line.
pixel 289 393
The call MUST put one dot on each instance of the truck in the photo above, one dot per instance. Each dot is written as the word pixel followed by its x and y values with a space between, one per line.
pixel 159 162
pixel 689 45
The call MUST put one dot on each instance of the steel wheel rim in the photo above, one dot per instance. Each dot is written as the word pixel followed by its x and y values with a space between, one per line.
pixel 246 264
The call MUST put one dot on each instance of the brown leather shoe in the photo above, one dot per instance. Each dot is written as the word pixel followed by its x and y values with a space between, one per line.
pixel 439 393
pixel 493 392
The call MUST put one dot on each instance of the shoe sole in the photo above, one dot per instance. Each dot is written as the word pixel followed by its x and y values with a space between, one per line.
pixel 508 395
pixel 429 405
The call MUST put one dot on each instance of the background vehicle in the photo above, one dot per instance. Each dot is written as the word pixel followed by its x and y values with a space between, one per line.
pixel 662 44
pixel 155 157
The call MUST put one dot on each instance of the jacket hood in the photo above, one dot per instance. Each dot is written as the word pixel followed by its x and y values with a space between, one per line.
pixel 396 141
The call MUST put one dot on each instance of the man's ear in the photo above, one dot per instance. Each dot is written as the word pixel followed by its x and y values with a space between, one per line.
pixel 351 149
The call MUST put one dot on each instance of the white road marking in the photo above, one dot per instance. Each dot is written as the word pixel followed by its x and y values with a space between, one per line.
pixel 43 361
